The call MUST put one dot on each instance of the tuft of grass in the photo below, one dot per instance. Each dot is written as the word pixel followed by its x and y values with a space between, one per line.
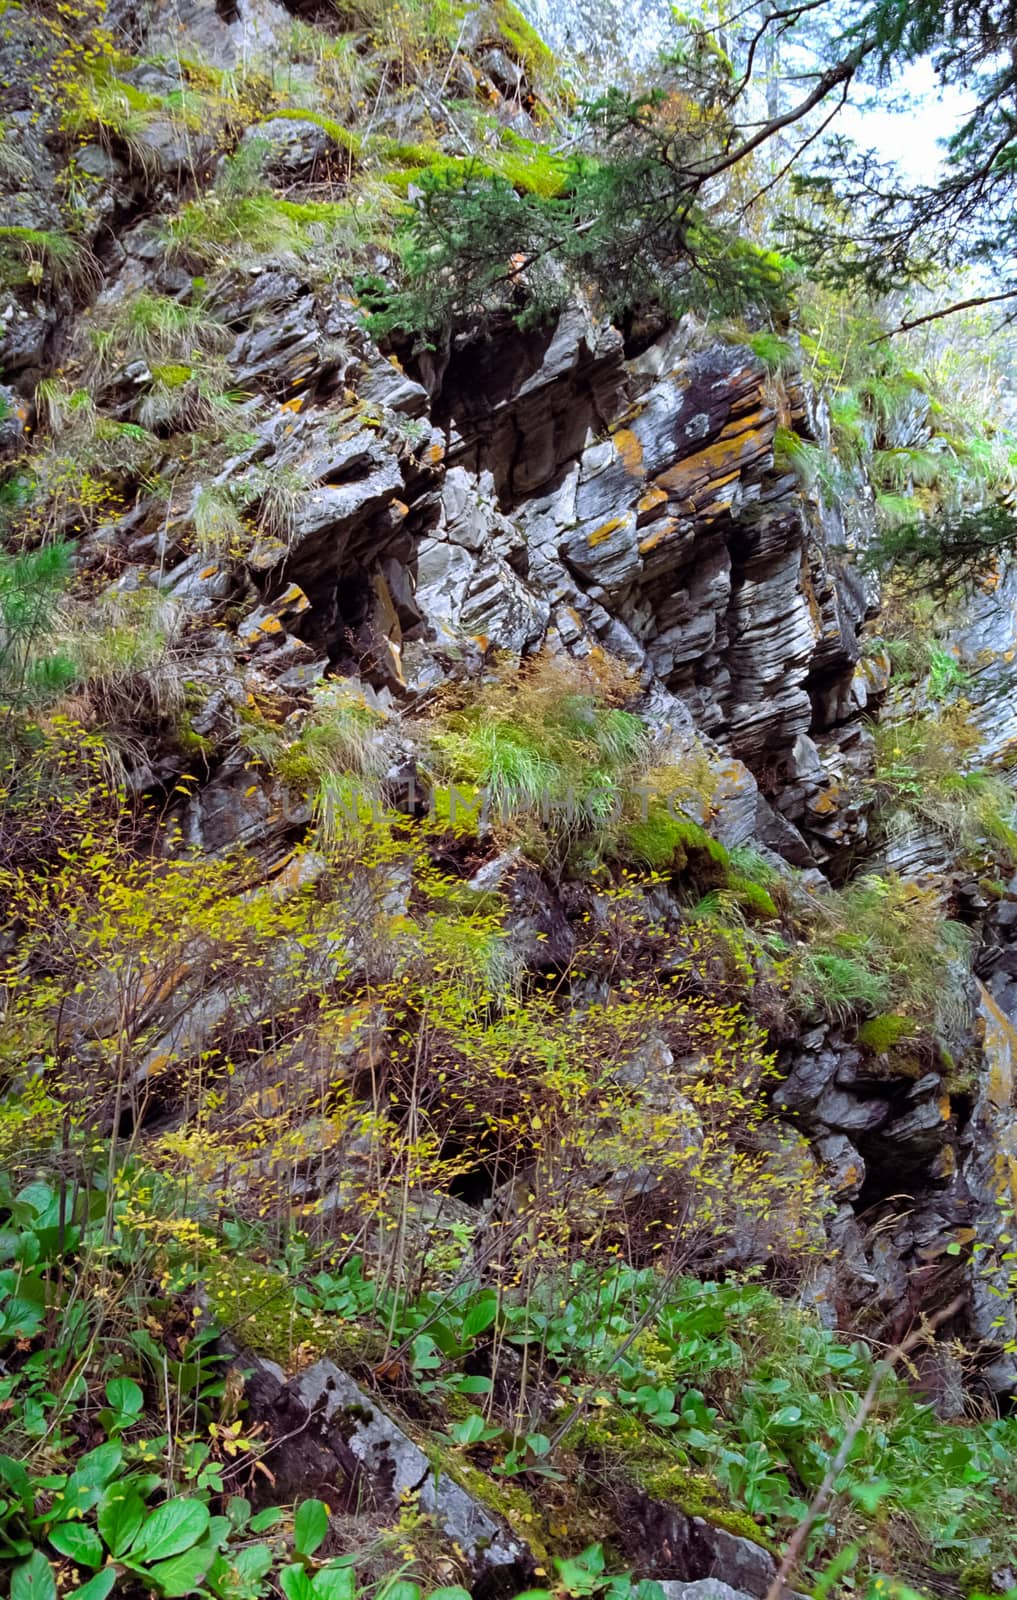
pixel 549 745
pixel 923 773
pixel 837 984
pixel 777 355
pixel 274 498
pixel 218 227
pixel 103 105
pixel 219 527
pixel 126 646
pixel 901 471
pixel 814 467
pixel 897 510
pixel 340 756
pixel 15 168
pixel 188 398
pixel 43 258
pixel 156 329
pixel 879 945
pixel 345 72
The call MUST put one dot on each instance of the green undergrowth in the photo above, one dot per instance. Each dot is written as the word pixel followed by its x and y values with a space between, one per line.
pixel 303 1199
pixel 915 416
pixel 549 760
pixel 218 226
pixel 30 257
pixel 715 1398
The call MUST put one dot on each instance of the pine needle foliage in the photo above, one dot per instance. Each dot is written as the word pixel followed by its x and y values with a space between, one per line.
pixel 31 586
pixel 627 220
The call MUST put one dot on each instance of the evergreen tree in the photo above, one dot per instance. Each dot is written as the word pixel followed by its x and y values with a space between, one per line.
pixel 31 584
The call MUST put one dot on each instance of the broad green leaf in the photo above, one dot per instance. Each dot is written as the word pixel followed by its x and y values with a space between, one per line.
pixel 182 1574
pixel 124 1395
pixel 96 1588
pixel 266 1519
pixel 254 1560
pixel 14 1475
pixel 80 1543
pixel 480 1315
pixel 451 1593
pixel 295 1583
pixel 471 1385
pixel 335 1583
pixel 33 1579
pixel 170 1529
pixel 648 1589
pixel 238 1509
pixel 423 1355
pixel 469 1430
pixel 99 1465
pixel 401 1589
pixel 120 1515
pixel 310 1527
pixel 786 1417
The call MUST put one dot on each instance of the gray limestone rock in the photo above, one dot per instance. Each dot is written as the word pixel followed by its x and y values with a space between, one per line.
pixel 847 1114
pixel 844 1168
pixel 392 1466
pixel 703 1589
pixel 805 1083
pixel 293 146
pixel 245 32
pixel 477 597
pixel 696 1549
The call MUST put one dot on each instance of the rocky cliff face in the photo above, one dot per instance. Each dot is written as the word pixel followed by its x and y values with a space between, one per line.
pixel 543 491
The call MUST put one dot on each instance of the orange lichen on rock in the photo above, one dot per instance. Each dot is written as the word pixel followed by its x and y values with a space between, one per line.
pixel 630 451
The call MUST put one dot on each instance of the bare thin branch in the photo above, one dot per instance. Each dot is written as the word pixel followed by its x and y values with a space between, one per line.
pixel 946 311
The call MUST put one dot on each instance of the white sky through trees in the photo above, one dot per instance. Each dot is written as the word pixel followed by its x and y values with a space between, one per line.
pixel 908 134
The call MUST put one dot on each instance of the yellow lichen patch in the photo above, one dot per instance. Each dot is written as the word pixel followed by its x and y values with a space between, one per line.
pixel 434 453
pixel 999 1043
pixel 630 451
pixel 697 477
pixel 945 1163
pixel 826 802
pixel 651 504
pixel 264 627
pixel 294 600
pixel 603 533
pixel 659 536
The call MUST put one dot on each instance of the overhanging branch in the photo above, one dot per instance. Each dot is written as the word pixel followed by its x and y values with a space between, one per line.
pixel 946 311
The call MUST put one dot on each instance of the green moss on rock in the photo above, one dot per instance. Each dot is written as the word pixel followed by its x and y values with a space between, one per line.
pixel 524 41
pixel 255 1304
pixel 345 138
pixel 660 1469
pixel 882 1032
